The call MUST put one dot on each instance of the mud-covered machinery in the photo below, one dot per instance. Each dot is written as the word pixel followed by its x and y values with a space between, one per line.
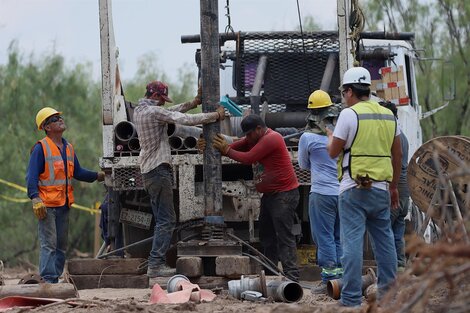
pixel 272 73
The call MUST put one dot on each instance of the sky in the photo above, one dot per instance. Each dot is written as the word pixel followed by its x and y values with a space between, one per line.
pixel 71 27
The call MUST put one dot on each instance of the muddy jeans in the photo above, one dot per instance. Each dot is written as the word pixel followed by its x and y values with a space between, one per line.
pixel 158 184
pixel 276 219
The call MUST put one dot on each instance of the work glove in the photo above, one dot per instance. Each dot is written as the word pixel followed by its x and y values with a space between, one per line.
pixel 201 144
pixel 221 111
pixel 39 208
pixel 100 176
pixel 220 144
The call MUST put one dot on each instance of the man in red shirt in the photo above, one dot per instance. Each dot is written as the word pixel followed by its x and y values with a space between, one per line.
pixel 274 176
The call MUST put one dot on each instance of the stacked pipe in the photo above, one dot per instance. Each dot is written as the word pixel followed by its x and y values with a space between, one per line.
pixel 126 137
pixel 182 137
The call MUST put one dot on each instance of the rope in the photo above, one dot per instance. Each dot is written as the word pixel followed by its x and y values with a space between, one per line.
pixel 356 24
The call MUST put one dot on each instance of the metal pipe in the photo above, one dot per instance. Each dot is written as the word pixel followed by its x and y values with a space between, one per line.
pixel 134 144
pixel 286 119
pixel 388 35
pixel 183 131
pixel 328 73
pixel 190 142
pixel 210 82
pixel 333 287
pixel 255 98
pixel 223 37
pixel 124 131
pixel 278 290
pixel 176 142
pixel 284 291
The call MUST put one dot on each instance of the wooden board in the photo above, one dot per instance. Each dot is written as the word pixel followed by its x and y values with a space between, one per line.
pixel 453 154
pixel 108 266
pixel 109 281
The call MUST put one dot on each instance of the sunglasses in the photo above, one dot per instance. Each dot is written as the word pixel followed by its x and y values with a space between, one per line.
pixel 53 119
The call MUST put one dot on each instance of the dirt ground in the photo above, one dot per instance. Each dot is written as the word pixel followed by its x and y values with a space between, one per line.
pixel 106 300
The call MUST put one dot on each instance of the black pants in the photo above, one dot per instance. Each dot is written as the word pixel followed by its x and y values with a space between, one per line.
pixel 276 219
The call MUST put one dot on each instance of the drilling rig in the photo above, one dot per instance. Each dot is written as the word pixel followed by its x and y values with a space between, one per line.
pixel 271 73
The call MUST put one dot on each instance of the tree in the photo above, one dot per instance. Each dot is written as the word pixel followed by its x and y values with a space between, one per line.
pixel 309 24
pixel 441 28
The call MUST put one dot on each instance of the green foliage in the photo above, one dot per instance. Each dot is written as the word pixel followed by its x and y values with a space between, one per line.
pixel 442 30
pixel 182 90
pixel 26 86
pixel 309 24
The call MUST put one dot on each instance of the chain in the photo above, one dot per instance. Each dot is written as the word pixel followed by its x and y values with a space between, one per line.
pixel 356 24
pixel 229 27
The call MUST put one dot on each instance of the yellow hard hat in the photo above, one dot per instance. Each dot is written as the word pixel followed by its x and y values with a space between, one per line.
pixel 44 114
pixel 319 99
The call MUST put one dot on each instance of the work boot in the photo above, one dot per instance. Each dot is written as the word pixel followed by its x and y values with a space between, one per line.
pixel 160 271
pixel 320 289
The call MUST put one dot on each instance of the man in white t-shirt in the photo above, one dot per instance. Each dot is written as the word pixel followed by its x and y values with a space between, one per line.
pixel 366 140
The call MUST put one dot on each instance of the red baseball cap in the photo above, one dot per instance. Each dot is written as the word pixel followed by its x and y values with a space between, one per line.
pixel 160 88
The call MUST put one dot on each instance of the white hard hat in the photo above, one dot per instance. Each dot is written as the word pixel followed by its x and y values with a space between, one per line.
pixel 356 75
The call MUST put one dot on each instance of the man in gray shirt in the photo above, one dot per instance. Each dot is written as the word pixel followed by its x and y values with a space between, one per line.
pixel 151 120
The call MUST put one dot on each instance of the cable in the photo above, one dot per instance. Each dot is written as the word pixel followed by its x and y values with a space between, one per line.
pixel 303 45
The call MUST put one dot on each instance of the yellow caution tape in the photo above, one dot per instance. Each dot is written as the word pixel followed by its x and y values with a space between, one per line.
pixel 21 188
pixel 14 199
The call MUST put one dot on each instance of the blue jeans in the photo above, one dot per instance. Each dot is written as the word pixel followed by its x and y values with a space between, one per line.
pixel 324 224
pixel 397 218
pixel 276 219
pixel 158 185
pixel 361 210
pixel 53 236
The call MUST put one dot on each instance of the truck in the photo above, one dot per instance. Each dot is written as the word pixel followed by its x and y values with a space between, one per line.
pixel 272 73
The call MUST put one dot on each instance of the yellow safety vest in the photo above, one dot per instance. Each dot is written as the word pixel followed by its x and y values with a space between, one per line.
pixel 370 152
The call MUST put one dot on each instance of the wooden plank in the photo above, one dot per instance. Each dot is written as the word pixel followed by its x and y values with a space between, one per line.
pixel 107 266
pixel 109 281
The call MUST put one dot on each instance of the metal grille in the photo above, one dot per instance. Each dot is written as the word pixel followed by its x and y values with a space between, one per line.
pixel 302 175
pixel 127 178
pixel 295 65
pixel 272 108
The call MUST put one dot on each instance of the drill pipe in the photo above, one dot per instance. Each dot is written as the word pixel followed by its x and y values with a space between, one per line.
pixel 134 144
pixel 190 142
pixel 183 131
pixel 176 142
pixel 124 131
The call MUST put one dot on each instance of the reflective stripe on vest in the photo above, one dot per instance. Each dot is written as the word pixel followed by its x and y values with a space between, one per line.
pixel 53 181
pixel 370 152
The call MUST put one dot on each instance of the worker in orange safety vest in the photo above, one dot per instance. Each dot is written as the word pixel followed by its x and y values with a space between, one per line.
pixel 52 165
